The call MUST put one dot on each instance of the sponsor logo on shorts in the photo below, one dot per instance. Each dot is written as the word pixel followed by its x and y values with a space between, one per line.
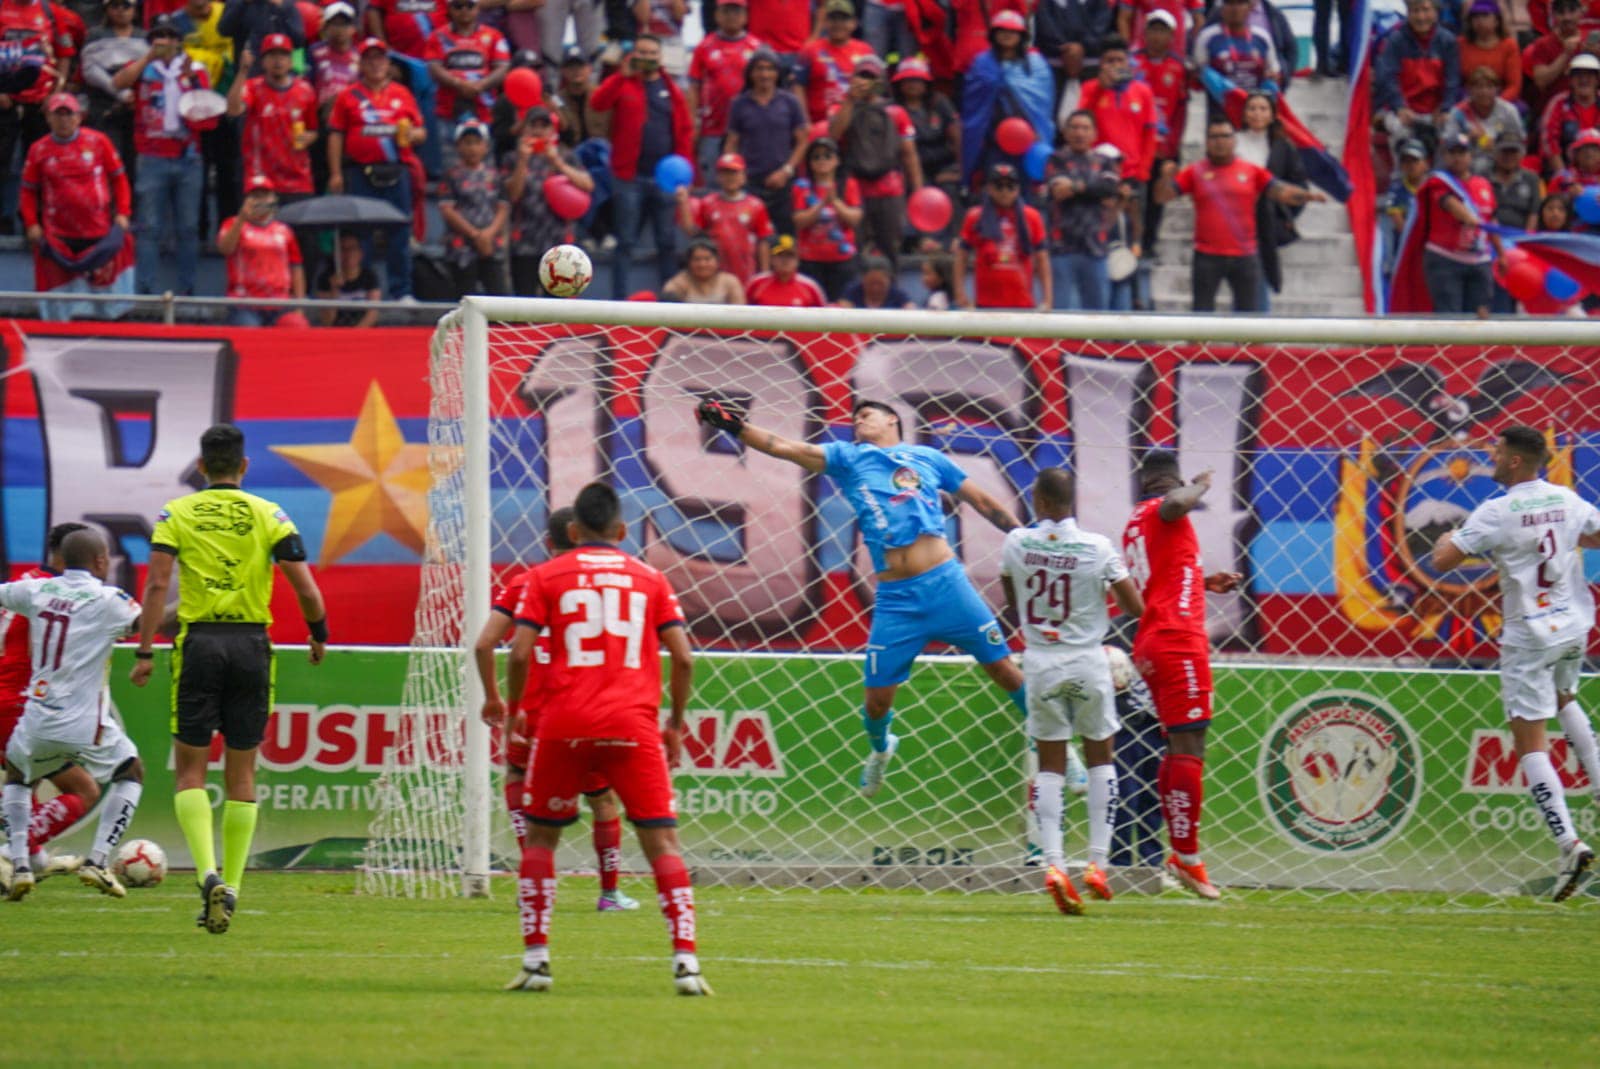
pixel 1339 772
pixel 561 805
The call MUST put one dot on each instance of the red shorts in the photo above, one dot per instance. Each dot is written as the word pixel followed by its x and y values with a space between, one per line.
pixel 519 741
pixel 562 769
pixel 1179 677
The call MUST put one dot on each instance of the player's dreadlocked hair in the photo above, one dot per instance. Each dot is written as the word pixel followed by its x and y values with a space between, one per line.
pixel 556 530
pixel 597 508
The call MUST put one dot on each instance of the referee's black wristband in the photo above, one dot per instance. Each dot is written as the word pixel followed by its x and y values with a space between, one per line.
pixel 144 655
pixel 318 629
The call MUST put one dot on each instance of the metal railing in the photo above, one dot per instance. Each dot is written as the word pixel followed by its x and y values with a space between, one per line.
pixel 172 310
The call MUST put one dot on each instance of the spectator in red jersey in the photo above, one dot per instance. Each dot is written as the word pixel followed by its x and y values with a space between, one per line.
pixel 1545 62
pixel 1487 43
pixel 1416 76
pixel 784 286
pixel 767 126
pixel 1184 17
pixel 1585 170
pixel 553 18
pixel 702 280
pixel 74 203
pixel 1126 115
pixel 878 147
pixel 1570 113
pixel 535 227
pixel 822 70
pixel 716 77
pixel 170 170
pixel 1004 240
pixel 784 25
pixel 1162 68
pixel 111 46
pixel 827 209
pixel 371 131
pixel 733 218
pixel 280 120
pixel 405 25
pixel 39 62
pixel 473 203
pixel 651 122
pixel 263 260
pixel 1225 191
pixel 334 61
pixel 1448 220
pixel 468 61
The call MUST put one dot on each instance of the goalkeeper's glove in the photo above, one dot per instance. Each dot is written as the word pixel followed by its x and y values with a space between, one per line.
pixel 719 416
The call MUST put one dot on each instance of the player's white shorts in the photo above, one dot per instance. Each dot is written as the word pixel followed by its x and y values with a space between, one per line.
pixel 1530 678
pixel 1069 693
pixel 37 755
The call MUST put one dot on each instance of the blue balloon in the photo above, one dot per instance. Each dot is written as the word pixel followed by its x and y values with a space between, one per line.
pixel 1561 286
pixel 1035 159
pixel 1588 205
pixel 672 172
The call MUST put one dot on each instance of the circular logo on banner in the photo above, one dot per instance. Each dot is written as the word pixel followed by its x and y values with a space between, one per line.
pixel 1340 772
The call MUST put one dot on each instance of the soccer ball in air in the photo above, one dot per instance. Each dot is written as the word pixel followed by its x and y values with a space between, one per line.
pixel 1121 668
pixel 565 271
pixel 139 863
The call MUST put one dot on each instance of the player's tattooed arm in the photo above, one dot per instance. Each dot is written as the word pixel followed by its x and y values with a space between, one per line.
pixel 808 456
pixel 988 506
pixel 1182 500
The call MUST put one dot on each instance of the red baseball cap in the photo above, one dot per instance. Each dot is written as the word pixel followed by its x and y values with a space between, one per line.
pixel 67 101
pixel 369 43
pixel 1009 20
pixel 730 161
pixel 912 68
pixel 259 183
pixel 276 42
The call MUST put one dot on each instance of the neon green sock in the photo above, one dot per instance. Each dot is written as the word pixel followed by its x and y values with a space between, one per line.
pixel 194 817
pixel 238 828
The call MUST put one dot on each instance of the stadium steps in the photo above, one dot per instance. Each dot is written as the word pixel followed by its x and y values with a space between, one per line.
pixel 1320 274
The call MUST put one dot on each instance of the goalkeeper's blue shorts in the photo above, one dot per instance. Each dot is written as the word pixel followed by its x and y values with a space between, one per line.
pixel 940 605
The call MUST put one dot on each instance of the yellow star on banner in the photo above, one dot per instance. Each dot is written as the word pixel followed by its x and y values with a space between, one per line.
pixel 378 480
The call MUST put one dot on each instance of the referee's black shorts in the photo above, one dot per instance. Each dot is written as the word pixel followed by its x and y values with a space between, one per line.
pixel 222 680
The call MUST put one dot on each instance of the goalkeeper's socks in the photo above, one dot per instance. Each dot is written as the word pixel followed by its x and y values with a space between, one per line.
pixel 1019 698
pixel 1048 789
pixel 1181 793
pixel 877 729
pixel 52 818
pixel 193 807
pixel 1580 740
pixel 122 798
pixel 536 895
pixel 1545 786
pixel 675 894
pixel 608 852
pixel 1102 811
pixel 238 829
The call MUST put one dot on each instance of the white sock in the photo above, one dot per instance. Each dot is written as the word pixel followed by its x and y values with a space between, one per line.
pixel 1545 786
pixel 1047 807
pixel 1580 740
pixel 533 957
pixel 1102 811
pixel 121 799
pixel 685 960
pixel 17 800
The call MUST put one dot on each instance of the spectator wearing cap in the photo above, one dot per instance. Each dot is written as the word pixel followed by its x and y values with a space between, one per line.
pixel 1125 115
pixel 112 45
pixel 263 260
pixel 876 288
pixel 785 26
pixel 1159 64
pixel 1516 189
pixel 170 172
pixel 1483 115
pixel 468 61
pixel 1183 17
pixel 1584 157
pixel 472 202
pixel 279 112
pixel 1448 222
pixel 539 156
pixel 827 210
pixel 1007 79
pixel 1487 43
pixel 1394 206
pixel 651 121
pixel 936 122
pixel 1004 242
pixel 784 286
pixel 732 217
pixel 823 69
pixel 1545 62
pixel 716 77
pixel 585 16
pixel 40 63
pixel 702 280
pixel 974 28
pixel 1225 191
pixel 75 202
pixel 371 130
pixel 1416 75
pixel 1082 186
pixel 1571 112
pixel 768 128
pixel 878 148
pixel 249 22
pixel 348 278
pixel 579 120
pixel 333 59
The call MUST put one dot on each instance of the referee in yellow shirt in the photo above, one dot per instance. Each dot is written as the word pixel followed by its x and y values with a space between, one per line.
pixel 225 543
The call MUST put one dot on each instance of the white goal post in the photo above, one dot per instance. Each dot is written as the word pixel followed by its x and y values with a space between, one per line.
pixel 1343 655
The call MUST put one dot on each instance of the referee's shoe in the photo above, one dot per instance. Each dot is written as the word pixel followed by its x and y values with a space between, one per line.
pixel 218 902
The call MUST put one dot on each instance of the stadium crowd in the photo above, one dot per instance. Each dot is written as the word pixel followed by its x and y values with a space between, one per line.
pixel 801 154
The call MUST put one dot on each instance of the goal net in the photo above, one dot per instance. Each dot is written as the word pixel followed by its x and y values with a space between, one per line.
pixel 1358 742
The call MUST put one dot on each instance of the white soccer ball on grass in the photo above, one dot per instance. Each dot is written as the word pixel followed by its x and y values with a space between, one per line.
pixel 565 271
pixel 139 863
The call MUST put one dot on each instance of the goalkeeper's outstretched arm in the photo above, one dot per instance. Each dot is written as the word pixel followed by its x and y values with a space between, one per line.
pixel 718 415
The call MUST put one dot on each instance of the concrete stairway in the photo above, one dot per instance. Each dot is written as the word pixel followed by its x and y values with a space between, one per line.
pixel 1320 277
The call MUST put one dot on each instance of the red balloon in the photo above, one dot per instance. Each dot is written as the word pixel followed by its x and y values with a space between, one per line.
pixel 564 198
pixel 1521 275
pixel 929 209
pixel 524 88
pixel 1014 135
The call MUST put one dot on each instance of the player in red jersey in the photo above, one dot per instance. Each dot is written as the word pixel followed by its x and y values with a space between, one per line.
pixel 1172 650
pixel 519 728
pixel 608 616
pixel 79 791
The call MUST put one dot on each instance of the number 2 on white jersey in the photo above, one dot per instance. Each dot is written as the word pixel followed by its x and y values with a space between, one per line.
pixel 602 614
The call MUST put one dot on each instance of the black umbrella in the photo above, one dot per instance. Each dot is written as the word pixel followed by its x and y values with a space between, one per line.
pixel 342 210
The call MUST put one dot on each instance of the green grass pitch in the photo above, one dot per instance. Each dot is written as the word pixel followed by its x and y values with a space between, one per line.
pixel 314 975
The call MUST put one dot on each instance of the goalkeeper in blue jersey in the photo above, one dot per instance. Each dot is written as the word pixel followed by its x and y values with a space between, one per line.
pixel 923 594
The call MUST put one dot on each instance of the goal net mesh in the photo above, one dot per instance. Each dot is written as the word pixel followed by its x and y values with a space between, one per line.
pixel 1358 742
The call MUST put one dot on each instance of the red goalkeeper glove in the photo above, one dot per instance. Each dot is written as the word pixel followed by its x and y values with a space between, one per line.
pixel 719 416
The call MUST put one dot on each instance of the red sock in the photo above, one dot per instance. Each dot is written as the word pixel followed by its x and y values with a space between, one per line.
pixel 536 894
pixel 53 817
pixel 1181 791
pixel 676 895
pixel 519 823
pixel 608 852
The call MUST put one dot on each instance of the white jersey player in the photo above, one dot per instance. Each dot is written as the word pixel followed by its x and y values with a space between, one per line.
pixel 75 619
pixel 1535 533
pixel 1056 576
